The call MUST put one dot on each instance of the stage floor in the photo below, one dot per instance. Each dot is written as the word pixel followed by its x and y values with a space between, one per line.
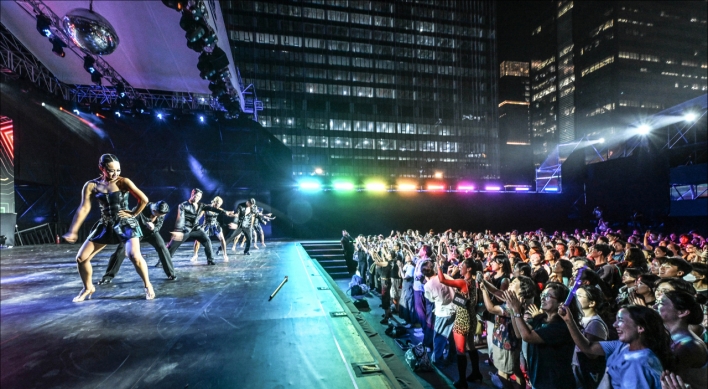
pixel 212 328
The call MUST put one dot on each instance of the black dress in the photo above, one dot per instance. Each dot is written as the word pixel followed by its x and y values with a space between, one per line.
pixel 211 226
pixel 112 229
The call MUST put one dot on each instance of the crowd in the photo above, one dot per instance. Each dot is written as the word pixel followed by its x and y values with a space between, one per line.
pixel 563 310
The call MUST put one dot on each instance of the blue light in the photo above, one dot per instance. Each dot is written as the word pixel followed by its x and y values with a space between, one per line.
pixel 551 189
pixel 117 113
pixel 310 185
pixel 201 119
pixel 159 116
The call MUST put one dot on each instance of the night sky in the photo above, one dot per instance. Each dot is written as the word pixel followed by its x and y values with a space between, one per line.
pixel 515 20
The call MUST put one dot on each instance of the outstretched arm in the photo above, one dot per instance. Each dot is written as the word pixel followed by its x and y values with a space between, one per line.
pixel 81 213
pixel 586 346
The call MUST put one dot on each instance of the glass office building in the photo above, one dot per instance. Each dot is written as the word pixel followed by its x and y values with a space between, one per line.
pixel 374 88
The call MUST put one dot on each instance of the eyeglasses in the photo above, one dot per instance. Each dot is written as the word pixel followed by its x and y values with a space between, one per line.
pixel 545 296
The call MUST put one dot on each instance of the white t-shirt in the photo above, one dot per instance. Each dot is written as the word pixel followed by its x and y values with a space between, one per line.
pixel 639 369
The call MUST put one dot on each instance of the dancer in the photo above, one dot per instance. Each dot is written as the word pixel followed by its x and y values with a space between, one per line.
pixel 246 213
pixel 261 220
pixel 117 224
pixel 465 322
pixel 150 221
pixel 185 227
pixel 212 227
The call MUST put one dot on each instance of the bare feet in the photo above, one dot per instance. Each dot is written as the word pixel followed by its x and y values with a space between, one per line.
pixel 256 247
pixel 233 248
pixel 194 258
pixel 149 293
pixel 84 294
pixel 226 258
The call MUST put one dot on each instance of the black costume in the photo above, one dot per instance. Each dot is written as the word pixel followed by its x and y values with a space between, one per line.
pixel 112 229
pixel 211 225
pixel 151 237
pixel 245 225
pixel 187 214
pixel 348 247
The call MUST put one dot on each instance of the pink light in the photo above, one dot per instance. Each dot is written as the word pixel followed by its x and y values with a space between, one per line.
pixel 492 188
pixel 436 187
pixel 465 187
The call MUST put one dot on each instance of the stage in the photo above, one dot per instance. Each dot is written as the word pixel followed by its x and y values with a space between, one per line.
pixel 212 328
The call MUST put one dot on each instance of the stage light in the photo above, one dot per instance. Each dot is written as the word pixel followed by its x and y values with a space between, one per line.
pixel 551 189
pixel 212 65
pixel 438 175
pixel 601 140
pixel 436 187
pixel 76 111
pixel 177 5
pixel 465 187
pixel 319 170
pixel 406 187
pixel 643 129
pixel 310 185
pixel 343 186
pixel 491 188
pixel 57 46
pixel 159 116
pixel 43 24
pixel 201 119
pixel 690 116
pixel 42 104
pixel 89 66
pixel 522 189
pixel 375 186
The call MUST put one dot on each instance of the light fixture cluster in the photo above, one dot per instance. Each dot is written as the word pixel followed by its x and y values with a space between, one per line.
pixel 213 62
pixel 44 24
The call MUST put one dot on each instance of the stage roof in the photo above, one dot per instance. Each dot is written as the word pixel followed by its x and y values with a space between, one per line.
pixel 152 53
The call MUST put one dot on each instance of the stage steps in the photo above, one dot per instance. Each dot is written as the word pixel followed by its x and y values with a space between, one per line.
pixel 330 256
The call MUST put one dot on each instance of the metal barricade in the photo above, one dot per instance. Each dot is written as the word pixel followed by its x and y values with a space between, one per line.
pixel 41 234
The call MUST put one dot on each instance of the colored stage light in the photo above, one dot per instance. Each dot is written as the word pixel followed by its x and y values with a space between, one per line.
pixel 407 187
pixel 118 113
pixel 375 186
pixel 438 175
pixel 159 116
pixel 436 187
pixel 343 186
pixel 310 185
pixel 522 189
pixel 551 189
pixel 492 188
pixel 43 24
pixel 319 170
pixel 465 187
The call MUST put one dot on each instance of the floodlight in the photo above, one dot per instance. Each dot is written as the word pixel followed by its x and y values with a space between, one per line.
pixel 201 119
pixel 89 63
pixel 319 170
pixel 601 140
pixel 43 24
pixel 643 129
pixel 159 116
pixel 690 116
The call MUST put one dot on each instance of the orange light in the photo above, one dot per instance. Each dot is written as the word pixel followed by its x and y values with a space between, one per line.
pixel 407 187
pixel 436 187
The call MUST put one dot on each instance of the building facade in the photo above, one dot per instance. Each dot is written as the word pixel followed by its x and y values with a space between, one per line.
pixel 602 65
pixel 374 88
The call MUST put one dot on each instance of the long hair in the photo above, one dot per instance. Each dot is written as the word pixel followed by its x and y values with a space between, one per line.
pixel 636 259
pixel 683 301
pixel 602 308
pixel 655 336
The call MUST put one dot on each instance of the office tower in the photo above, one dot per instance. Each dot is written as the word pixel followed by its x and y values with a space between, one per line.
pixel 603 65
pixel 514 133
pixel 374 88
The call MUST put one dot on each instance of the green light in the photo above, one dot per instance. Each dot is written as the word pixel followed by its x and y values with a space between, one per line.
pixel 343 186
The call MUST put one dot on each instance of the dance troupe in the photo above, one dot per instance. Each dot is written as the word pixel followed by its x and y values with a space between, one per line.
pixel 128 227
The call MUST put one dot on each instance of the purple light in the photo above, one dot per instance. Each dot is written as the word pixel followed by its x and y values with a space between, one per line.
pixel 465 187
pixel 522 189
pixel 492 188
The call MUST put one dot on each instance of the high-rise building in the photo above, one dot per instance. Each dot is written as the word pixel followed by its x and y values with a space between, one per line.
pixel 514 131
pixel 602 65
pixel 374 88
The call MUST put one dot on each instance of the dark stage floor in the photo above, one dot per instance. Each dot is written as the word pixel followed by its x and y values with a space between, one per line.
pixel 212 328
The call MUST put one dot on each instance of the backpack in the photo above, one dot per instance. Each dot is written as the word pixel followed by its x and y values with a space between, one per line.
pixel 417 358
pixel 356 280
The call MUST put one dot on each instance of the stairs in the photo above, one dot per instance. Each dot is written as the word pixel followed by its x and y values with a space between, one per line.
pixel 330 255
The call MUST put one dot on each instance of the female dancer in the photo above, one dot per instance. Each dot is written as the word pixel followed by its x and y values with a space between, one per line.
pixel 212 228
pixel 465 322
pixel 117 223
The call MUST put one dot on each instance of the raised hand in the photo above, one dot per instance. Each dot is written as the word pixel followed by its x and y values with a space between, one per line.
pixel 564 313
pixel 534 310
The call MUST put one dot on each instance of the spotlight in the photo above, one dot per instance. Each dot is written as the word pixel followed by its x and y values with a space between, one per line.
pixel 175 4
pixel 138 106
pixel 122 97
pixel 43 104
pixel 76 111
pixel 159 116
pixel 211 65
pixel 201 119
pixel 118 113
pixel 89 63
pixel 601 140
pixel 438 175
pixel 319 170
pixel 43 24
pixel 643 129
pixel 57 46
pixel 217 88
pixel 196 28
pixel 690 116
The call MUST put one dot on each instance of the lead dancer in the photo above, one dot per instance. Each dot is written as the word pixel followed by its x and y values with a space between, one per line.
pixel 117 224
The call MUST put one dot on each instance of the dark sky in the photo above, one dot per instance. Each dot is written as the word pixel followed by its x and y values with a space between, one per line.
pixel 515 20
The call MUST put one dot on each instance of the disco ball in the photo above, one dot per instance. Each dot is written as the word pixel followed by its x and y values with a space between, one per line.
pixel 91 31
